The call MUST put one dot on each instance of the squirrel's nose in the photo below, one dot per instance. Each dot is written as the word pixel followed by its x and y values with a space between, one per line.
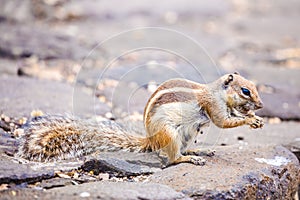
pixel 259 105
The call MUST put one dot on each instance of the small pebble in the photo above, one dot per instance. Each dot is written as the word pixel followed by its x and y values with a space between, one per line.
pixel 108 115
pixel 102 99
pixel 6 119
pixel 104 176
pixel 23 120
pixel 171 17
pixel 18 132
pixel 240 138
pixel 36 113
pixel 14 193
pixel 285 105
pixel 85 194
pixel 274 120
pixel 152 86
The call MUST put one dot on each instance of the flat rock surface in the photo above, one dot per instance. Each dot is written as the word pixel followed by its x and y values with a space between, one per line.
pixel 274 132
pixel 101 190
pixel 252 172
pixel 151 160
pixel 107 190
pixel 22 95
pixel 286 102
pixel 12 172
pixel 115 166
pixel 25 41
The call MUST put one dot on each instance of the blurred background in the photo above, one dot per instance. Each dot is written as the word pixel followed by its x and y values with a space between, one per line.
pixel 66 55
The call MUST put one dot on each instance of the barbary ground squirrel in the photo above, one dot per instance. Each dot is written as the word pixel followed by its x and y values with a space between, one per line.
pixel 174 115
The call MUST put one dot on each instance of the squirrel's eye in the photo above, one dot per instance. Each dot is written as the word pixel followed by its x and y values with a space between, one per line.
pixel 245 91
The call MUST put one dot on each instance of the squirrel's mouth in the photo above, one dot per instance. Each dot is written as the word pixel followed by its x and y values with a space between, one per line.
pixel 243 109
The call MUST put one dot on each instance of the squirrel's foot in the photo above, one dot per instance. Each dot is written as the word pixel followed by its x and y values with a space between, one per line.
pixel 255 122
pixel 199 152
pixel 196 160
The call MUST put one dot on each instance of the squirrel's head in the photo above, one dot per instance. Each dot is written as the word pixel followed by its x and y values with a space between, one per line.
pixel 241 94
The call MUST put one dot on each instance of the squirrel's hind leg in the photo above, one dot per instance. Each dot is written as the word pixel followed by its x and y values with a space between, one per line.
pixel 175 156
pixel 197 160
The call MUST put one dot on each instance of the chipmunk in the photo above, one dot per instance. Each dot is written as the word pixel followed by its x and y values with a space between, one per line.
pixel 173 116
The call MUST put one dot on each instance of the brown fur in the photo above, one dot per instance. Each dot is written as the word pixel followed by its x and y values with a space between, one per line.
pixel 159 140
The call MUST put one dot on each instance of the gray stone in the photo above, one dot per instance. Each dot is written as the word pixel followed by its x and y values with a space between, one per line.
pixel 55 182
pixel 63 165
pixel 294 147
pixel 119 190
pixel 151 160
pixel 8 144
pixel 12 172
pixel 22 95
pixel 279 133
pixel 116 167
pixel 8 67
pixel 20 8
pixel 98 190
pixel 25 41
pixel 233 173
pixel 283 103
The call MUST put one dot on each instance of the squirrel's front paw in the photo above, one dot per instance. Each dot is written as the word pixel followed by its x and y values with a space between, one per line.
pixel 255 122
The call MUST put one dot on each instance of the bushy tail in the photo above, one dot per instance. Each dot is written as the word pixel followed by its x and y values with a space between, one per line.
pixel 58 137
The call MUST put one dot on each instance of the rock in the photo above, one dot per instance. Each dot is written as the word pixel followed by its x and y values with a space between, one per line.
pixel 11 172
pixel 294 147
pixel 22 95
pixel 55 182
pixel 118 190
pixel 8 144
pixel 151 160
pixel 57 70
pixel 116 167
pixel 98 190
pixel 233 173
pixel 286 102
pixel 20 8
pixel 282 133
pixel 8 67
pixel 23 41
pixel 63 165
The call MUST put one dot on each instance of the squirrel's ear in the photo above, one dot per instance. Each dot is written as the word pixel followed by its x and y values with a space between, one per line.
pixel 237 73
pixel 228 80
